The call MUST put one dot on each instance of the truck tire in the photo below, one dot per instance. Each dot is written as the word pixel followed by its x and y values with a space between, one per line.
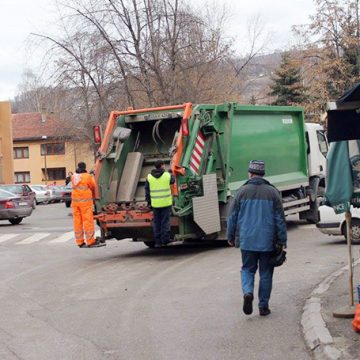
pixel 150 244
pixel 355 226
pixel 15 221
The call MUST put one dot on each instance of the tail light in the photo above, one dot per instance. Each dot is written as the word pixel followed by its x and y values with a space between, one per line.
pixel 97 134
pixel 9 205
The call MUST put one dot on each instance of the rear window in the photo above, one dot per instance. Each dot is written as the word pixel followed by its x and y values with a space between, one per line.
pixel 15 189
pixel 5 194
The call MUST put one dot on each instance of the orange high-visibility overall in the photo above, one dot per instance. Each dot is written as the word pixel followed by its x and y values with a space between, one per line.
pixel 83 189
pixel 356 321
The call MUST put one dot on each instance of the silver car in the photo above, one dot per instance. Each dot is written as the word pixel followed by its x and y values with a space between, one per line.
pixel 42 193
pixel 13 207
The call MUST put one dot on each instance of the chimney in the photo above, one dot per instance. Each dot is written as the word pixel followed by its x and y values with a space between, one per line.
pixel 43 115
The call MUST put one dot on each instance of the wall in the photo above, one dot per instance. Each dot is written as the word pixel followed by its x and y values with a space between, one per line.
pixel 74 152
pixel 6 153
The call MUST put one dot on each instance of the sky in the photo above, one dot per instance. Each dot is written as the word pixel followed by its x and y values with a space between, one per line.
pixel 18 18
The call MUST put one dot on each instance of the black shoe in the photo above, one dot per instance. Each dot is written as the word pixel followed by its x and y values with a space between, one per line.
pixel 82 245
pixel 264 311
pixel 96 244
pixel 247 307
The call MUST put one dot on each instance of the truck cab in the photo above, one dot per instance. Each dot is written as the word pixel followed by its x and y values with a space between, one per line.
pixel 317 149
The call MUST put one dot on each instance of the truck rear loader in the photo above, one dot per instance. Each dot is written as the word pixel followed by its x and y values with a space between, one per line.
pixel 208 148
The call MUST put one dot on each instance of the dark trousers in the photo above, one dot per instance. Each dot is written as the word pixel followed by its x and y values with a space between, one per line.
pixel 161 225
pixel 251 260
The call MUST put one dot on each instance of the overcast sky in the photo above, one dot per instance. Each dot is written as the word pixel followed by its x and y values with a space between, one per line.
pixel 18 18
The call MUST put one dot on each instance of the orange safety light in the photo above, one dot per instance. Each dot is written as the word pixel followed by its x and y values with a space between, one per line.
pixel 97 134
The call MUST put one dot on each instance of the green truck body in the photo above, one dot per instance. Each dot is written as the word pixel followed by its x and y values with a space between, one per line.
pixel 208 149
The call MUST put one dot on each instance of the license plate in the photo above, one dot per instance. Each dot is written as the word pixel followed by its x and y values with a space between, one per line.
pixel 23 203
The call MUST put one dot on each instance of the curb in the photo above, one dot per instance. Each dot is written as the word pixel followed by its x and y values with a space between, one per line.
pixel 317 335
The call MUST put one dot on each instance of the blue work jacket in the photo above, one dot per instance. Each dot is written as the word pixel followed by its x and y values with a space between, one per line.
pixel 256 218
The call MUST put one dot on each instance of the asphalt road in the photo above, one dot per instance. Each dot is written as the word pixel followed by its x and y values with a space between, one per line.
pixel 125 301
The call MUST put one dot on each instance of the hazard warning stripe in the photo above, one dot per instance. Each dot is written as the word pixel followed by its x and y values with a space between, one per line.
pixel 198 150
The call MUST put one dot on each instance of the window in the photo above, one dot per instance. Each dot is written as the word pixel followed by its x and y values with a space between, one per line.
pixel 322 142
pixel 54 173
pixel 53 149
pixel 22 177
pixel 21 153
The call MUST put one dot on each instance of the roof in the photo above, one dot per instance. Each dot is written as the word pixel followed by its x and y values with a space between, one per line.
pixel 34 126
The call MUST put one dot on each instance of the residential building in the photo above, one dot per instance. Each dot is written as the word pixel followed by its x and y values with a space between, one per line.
pixel 6 158
pixel 46 148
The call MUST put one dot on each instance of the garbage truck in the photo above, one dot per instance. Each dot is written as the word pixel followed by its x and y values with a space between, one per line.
pixel 207 147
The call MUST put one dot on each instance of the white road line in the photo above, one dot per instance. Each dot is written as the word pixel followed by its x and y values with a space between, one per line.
pixel 33 238
pixel 68 236
pixel 63 238
pixel 7 237
pixel 308 226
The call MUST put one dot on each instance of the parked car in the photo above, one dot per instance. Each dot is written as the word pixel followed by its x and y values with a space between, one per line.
pixel 13 207
pixel 22 190
pixel 334 224
pixel 66 194
pixel 57 192
pixel 42 193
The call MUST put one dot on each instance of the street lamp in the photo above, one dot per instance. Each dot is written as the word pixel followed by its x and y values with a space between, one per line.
pixel 44 137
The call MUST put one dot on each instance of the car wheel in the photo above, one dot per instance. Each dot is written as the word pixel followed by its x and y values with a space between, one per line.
pixel 15 221
pixel 34 204
pixel 355 227
pixel 67 204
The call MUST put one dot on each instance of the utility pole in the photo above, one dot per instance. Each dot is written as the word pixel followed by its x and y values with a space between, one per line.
pixel 44 137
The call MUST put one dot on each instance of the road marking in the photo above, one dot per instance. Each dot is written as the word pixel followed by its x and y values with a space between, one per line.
pixel 7 237
pixel 63 238
pixel 33 238
pixel 308 226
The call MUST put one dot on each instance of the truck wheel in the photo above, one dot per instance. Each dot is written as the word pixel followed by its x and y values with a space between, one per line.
pixel 15 221
pixel 355 227
pixel 150 244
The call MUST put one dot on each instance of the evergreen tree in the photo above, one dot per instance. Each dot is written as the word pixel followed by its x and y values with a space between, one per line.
pixel 287 84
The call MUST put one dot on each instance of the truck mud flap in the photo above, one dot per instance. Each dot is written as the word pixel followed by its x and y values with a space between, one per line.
pixel 206 208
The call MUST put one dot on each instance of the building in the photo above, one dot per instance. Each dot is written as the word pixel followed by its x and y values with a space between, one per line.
pixel 46 148
pixel 6 158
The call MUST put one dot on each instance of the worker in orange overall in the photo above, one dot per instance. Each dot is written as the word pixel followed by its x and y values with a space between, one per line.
pixel 356 321
pixel 82 195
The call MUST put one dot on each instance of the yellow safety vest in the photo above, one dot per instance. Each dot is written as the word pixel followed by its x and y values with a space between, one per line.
pixel 160 191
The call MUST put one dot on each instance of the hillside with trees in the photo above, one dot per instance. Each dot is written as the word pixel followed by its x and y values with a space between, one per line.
pixel 115 54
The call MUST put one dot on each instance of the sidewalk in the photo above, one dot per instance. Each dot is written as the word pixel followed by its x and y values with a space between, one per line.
pixel 326 336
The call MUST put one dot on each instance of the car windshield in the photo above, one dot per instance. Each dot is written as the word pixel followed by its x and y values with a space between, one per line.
pixel 15 189
pixel 6 194
pixel 38 187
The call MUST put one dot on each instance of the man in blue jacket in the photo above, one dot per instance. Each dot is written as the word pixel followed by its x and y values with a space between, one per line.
pixel 256 224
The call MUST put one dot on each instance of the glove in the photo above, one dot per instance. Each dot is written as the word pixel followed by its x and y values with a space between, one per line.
pixel 231 242
pixel 279 247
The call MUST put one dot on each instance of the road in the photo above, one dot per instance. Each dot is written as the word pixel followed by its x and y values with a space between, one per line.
pixel 125 301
